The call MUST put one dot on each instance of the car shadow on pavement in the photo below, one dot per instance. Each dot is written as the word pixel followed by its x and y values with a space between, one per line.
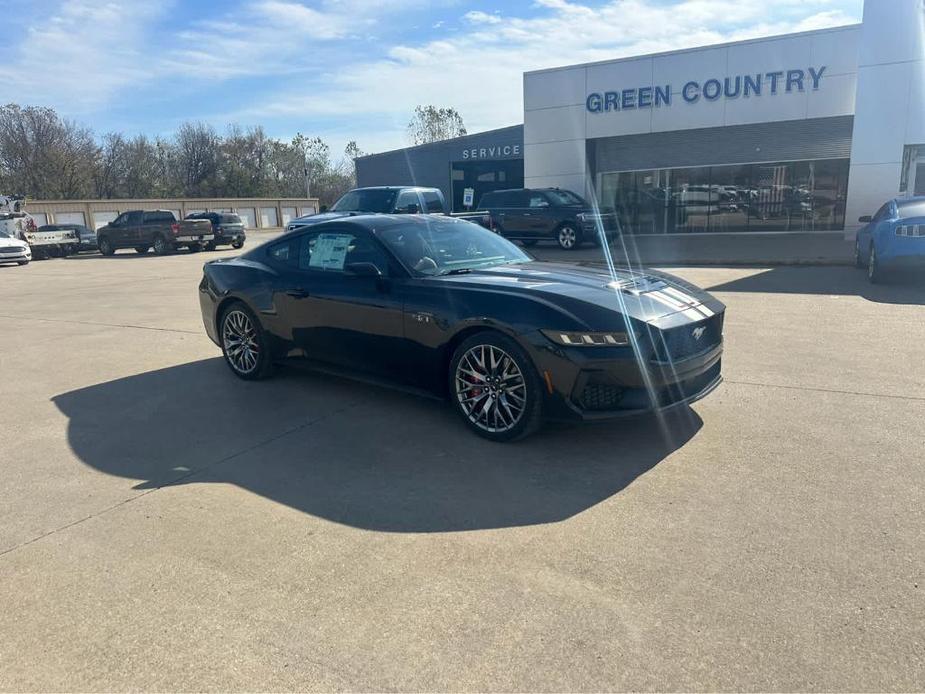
pixel 352 453
pixel 902 288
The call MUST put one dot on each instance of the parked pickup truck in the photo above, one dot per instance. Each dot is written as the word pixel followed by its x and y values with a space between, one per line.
pixel 157 229
pixel 378 200
pixel 49 241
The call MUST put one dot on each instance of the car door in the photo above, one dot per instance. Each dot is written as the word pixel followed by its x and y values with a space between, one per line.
pixel 515 215
pixel 134 230
pixel 540 222
pixel 116 230
pixel 867 233
pixel 335 313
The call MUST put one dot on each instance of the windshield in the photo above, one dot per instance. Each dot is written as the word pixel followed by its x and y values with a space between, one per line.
pixel 444 246
pixel 564 197
pixel 915 208
pixel 229 219
pixel 4 235
pixel 369 200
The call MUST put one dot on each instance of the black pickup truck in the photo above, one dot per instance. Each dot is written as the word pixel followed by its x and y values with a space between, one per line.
pixel 157 229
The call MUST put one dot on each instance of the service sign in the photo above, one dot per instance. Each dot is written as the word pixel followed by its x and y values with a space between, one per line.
pixel 746 86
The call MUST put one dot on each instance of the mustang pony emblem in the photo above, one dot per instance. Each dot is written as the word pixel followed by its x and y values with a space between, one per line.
pixel 698 332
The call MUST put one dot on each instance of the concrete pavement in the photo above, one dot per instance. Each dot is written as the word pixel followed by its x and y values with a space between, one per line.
pixel 164 526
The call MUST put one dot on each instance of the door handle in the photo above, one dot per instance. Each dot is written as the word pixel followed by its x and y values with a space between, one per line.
pixel 298 293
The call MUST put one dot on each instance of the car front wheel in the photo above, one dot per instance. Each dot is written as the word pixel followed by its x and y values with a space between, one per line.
pixel 494 387
pixel 237 244
pixel 106 247
pixel 244 343
pixel 567 237
pixel 858 258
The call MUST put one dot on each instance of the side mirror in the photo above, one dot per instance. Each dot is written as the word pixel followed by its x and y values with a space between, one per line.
pixel 865 219
pixel 322 209
pixel 363 269
pixel 413 208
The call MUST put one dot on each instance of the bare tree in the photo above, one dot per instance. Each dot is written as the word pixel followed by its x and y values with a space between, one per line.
pixel 432 124
pixel 195 159
pixel 316 157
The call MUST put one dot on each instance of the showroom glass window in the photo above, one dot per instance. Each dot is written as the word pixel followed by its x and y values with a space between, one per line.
pixel 774 196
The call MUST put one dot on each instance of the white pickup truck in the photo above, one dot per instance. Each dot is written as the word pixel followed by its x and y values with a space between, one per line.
pixel 52 242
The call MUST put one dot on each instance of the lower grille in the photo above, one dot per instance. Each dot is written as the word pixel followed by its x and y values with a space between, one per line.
pixel 11 249
pixel 599 397
pixel 688 340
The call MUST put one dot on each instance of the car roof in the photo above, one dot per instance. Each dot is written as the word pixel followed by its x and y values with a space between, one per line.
pixel 394 188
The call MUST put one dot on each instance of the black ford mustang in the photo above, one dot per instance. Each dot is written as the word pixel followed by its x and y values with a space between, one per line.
pixel 448 306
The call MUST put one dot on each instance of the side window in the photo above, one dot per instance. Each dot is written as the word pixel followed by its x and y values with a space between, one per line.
pixel 133 218
pixel 329 251
pixel 538 200
pixel 520 198
pixel 405 199
pixel 432 201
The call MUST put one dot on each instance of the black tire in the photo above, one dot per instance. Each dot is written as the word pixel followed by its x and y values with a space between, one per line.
pixel 874 271
pixel 473 399
pixel 22 262
pixel 259 344
pixel 195 247
pixel 162 246
pixel 210 246
pixel 568 237
pixel 141 250
pixel 858 260
pixel 106 247
pixel 237 245
pixel 529 243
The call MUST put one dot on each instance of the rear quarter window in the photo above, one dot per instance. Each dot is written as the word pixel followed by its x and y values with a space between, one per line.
pixel 159 217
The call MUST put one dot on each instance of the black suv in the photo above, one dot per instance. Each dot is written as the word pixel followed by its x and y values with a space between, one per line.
pixel 227 227
pixel 540 214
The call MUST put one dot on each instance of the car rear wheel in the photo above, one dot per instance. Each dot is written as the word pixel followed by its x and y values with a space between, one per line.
pixel 162 246
pixel 210 246
pixel 568 237
pixel 141 250
pixel 237 245
pixel 244 343
pixel 106 247
pixel 195 247
pixel 494 387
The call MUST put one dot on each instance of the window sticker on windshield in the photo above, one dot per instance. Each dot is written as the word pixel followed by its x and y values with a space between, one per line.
pixel 330 251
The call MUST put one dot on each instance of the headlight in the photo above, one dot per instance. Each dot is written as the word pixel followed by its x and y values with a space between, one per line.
pixel 568 339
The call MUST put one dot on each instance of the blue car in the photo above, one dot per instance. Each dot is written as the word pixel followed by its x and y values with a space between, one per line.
pixel 892 238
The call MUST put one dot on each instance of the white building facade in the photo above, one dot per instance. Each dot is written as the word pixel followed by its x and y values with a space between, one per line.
pixel 798 133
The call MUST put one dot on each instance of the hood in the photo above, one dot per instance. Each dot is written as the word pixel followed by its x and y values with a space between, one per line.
pixel 645 295
pixel 13 242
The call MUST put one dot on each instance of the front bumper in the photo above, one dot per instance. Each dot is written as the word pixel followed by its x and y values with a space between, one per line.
pixel 25 254
pixel 600 383
pixel 223 238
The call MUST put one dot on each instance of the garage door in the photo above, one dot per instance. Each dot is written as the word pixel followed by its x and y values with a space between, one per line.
pixel 268 218
pixel 289 214
pixel 40 218
pixel 247 216
pixel 101 219
pixel 70 218
pixel 303 211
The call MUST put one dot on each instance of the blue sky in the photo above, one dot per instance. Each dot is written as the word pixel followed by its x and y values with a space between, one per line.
pixel 342 69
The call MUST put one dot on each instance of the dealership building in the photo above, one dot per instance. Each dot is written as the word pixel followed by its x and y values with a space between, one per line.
pixel 796 133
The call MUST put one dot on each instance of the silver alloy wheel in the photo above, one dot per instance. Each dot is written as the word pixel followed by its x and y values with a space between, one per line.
pixel 567 237
pixel 490 388
pixel 239 338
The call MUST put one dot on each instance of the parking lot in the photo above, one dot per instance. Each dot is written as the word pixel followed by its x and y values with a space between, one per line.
pixel 165 526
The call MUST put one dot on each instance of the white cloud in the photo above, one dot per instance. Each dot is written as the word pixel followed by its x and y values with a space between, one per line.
pixel 480 72
pixel 479 17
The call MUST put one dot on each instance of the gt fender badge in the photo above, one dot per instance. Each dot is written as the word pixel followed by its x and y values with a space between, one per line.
pixel 698 332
